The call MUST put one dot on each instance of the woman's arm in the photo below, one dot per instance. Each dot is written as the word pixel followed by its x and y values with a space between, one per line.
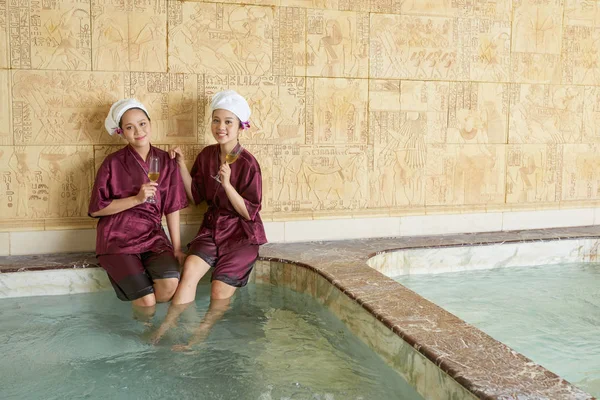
pixel 177 154
pixel 236 200
pixel 175 234
pixel 119 205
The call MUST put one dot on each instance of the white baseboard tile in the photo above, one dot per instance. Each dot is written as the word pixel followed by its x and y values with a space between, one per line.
pixel 518 220
pixel 60 241
pixel 4 243
pixel 339 229
pixel 439 224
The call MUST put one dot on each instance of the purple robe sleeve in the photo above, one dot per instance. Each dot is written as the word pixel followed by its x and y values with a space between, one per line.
pixel 197 174
pixel 251 190
pixel 176 198
pixel 101 193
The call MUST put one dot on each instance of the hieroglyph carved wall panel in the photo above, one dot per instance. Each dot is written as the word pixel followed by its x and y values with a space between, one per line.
pixel 171 100
pixel 221 39
pixel 534 173
pixel 337 44
pixel 546 113
pixel 467 174
pixel 373 107
pixel 4 58
pixel 60 107
pixel 50 34
pixel 129 35
pixel 536 41
pixel 45 182
pixel 6 137
pixel 278 107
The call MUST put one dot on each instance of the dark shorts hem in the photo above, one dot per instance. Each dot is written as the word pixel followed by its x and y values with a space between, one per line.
pixel 211 261
pixel 139 294
pixel 230 281
pixel 132 275
pixel 169 275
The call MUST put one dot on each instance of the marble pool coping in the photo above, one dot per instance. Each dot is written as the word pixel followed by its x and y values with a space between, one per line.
pixel 485 367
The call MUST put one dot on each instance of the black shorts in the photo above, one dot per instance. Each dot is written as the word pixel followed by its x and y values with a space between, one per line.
pixel 132 275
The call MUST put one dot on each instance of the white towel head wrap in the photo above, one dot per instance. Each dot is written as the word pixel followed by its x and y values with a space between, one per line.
pixel 116 112
pixel 230 100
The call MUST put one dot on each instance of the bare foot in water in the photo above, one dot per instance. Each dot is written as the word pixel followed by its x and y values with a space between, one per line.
pixel 183 348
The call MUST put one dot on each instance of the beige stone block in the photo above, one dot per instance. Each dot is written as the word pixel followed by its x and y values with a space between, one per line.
pixel 249 2
pixel 54 35
pixel 289 42
pixel 129 36
pixel 415 47
pixel 337 111
pixel 493 9
pixel 398 179
pixel 477 113
pixel 101 152
pixel 68 223
pixel 536 41
pixel 326 4
pixel 171 101
pixel 424 115
pixel 581 172
pixel 329 178
pixel 21 225
pixel 220 39
pixel 46 182
pixel 533 173
pixel 62 107
pixel 591 115
pixel 278 107
pixel 337 44
pixel 550 114
pixel 4 49
pixel 44 242
pixel 535 68
pixel 465 174
pixel 6 137
pixel 4 244
pixel 335 214
pixel 580 55
pixel 265 155
pixel 582 12
pixel 384 110
pixel 487 47
pixel 297 216
pixel 537 26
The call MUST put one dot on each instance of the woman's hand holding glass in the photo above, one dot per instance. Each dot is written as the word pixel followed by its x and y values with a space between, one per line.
pixel 147 191
pixel 225 171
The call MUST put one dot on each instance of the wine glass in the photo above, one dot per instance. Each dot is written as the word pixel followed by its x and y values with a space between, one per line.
pixel 153 174
pixel 230 158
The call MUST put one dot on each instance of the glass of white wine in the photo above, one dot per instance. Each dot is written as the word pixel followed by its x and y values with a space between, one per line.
pixel 230 158
pixel 153 174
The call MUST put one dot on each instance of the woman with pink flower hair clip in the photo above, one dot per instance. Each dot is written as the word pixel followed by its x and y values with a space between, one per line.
pixel 134 188
pixel 228 178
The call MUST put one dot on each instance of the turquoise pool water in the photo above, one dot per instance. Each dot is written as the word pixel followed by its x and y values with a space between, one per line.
pixel 272 343
pixel 551 313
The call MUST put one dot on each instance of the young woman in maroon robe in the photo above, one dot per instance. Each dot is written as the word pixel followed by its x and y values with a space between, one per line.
pixel 232 230
pixel 131 245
